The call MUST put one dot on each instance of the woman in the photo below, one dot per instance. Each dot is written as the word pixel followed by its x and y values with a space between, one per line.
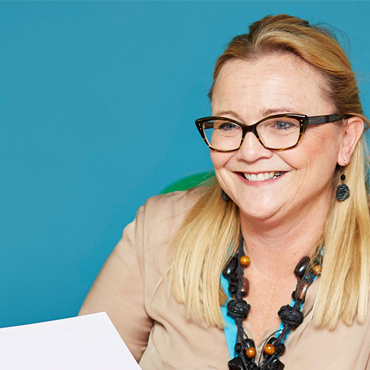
pixel 287 148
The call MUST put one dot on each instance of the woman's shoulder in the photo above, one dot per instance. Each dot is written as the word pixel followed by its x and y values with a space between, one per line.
pixel 160 218
pixel 155 228
pixel 174 204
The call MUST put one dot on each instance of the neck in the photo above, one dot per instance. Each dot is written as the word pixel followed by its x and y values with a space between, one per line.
pixel 275 247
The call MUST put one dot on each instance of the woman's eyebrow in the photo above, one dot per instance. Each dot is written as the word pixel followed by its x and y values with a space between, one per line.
pixel 228 113
pixel 264 112
pixel 271 111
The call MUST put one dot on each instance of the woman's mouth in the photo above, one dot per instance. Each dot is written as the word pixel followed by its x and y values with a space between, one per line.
pixel 261 176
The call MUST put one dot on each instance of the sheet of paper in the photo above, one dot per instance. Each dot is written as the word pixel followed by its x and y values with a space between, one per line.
pixel 85 343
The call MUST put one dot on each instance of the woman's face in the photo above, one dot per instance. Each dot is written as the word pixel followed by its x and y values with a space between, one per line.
pixel 302 176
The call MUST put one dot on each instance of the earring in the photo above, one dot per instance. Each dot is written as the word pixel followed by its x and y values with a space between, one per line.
pixel 342 189
pixel 224 196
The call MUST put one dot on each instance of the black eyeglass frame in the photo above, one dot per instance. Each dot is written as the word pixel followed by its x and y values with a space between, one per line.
pixel 304 121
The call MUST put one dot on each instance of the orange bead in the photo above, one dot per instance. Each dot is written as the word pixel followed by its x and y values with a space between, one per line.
pixel 245 261
pixel 250 352
pixel 317 269
pixel 269 349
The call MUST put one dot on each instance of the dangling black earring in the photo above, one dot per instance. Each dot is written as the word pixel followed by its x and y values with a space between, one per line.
pixel 224 196
pixel 342 189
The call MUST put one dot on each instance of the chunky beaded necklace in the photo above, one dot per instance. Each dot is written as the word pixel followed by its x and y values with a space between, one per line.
pixel 291 315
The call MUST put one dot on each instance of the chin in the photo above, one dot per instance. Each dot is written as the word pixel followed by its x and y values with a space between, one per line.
pixel 258 213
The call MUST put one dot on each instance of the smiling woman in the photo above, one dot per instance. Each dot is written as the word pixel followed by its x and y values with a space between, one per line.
pixel 287 212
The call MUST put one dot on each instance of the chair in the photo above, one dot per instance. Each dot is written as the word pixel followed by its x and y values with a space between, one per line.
pixel 188 182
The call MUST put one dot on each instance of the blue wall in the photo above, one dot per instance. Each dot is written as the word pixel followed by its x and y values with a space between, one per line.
pixel 97 109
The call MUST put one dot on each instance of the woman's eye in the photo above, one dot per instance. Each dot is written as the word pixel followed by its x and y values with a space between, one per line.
pixel 285 125
pixel 226 126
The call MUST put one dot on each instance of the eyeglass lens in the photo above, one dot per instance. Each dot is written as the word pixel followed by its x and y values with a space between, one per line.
pixel 274 133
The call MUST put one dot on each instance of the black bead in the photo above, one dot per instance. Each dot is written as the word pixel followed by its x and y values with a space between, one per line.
pixel 234 278
pixel 301 267
pixel 280 348
pixel 230 268
pixel 248 343
pixel 233 288
pixel 343 177
pixel 236 364
pixel 290 316
pixel 274 365
pixel 238 347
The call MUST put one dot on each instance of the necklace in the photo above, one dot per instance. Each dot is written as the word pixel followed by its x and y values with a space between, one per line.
pixel 291 315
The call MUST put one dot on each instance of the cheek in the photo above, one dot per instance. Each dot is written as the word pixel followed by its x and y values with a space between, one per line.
pixel 317 153
pixel 215 159
pixel 219 160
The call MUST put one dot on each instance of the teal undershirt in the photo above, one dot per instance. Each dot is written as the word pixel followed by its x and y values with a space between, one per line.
pixel 230 326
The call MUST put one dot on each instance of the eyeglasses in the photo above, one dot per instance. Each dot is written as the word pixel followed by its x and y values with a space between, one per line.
pixel 277 132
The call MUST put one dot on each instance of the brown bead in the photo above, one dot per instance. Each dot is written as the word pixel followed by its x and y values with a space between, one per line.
pixel 250 352
pixel 245 261
pixel 269 349
pixel 301 290
pixel 317 269
pixel 245 287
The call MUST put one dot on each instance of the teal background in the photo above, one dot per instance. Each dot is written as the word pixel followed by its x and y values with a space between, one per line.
pixel 97 109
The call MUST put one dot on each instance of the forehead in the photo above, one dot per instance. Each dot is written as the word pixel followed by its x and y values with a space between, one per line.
pixel 280 82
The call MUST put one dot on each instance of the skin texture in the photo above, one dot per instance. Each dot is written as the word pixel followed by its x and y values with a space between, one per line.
pixel 283 218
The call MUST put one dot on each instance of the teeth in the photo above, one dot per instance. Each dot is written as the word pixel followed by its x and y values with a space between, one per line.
pixel 261 176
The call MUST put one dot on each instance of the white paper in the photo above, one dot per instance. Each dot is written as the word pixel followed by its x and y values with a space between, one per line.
pixel 85 343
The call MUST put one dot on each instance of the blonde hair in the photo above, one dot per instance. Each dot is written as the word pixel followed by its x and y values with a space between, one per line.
pixel 209 234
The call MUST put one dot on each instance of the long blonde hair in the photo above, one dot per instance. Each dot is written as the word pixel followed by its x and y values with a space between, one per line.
pixel 209 234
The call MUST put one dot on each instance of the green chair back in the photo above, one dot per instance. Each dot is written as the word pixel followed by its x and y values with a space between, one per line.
pixel 188 182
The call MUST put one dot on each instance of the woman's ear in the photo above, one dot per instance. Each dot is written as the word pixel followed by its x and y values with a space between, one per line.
pixel 352 131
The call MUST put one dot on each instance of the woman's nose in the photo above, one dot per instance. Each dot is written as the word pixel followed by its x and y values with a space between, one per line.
pixel 252 149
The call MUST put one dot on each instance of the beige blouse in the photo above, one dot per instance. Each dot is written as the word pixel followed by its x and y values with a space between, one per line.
pixel 133 288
